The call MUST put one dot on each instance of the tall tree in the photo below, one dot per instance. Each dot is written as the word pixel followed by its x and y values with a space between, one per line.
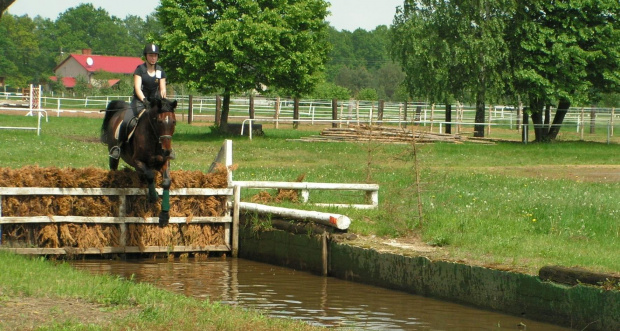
pixel 4 4
pixel 233 46
pixel 458 44
pixel 564 52
pixel 86 27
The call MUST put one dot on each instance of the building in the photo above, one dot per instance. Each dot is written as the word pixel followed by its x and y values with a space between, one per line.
pixel 85 65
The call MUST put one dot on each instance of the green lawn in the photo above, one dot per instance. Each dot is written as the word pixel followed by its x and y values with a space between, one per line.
pixel 507 203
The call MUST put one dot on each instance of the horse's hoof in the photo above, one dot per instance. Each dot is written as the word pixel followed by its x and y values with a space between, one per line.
pixel 164 218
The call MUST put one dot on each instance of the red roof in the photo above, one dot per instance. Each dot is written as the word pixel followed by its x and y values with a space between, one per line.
pixel 66 81
pixel 113 64
pixel 69 82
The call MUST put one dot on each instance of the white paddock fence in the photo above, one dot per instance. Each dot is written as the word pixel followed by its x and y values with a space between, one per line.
pixel 344 112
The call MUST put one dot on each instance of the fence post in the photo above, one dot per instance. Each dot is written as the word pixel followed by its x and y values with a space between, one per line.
pixel 611 120
pixel 357 111
pixel 592 121
pixel 277 114
pixel 190 109
pixel 296 113
pixel 582 117
pixel 490 119
pixel 448 118
pixel 405 113
pixel 334 112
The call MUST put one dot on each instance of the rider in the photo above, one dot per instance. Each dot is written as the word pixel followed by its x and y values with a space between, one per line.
pixel 149 83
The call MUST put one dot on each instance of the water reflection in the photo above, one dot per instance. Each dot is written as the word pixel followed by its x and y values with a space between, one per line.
pixel 324 301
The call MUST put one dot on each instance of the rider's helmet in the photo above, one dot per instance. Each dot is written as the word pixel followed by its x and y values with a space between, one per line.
pixel 151 49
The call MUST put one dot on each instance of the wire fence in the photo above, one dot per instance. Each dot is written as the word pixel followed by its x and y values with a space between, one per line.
pixel 501 121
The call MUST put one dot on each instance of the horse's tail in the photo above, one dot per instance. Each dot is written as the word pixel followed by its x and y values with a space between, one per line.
pixel 113 107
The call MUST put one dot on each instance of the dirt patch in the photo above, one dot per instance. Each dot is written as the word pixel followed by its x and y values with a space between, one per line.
pixel 580 173
pixel 27 313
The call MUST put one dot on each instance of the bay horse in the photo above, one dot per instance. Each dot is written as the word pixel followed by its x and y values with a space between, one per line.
pixel 149 147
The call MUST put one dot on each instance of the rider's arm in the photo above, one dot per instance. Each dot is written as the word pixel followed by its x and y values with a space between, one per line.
pixel 137 86
pixel 162 87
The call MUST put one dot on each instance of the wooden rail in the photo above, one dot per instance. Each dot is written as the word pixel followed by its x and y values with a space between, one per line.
pixel 372 190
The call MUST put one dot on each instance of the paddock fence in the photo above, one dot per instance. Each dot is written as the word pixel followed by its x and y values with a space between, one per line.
pixel 580 123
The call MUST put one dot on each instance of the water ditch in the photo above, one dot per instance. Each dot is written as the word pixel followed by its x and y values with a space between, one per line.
pixel 325 301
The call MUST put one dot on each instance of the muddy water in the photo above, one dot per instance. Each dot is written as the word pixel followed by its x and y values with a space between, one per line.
pixel 324 301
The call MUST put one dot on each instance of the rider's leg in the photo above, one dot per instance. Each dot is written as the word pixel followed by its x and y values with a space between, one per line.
pixel 131 115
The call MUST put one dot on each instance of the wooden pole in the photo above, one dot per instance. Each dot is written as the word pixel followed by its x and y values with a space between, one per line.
pixel 432 115
pixel 490 119
pixel 277 113
pixel 405 113
pixel 611 121
pixel 334 112
pixel 235 224
pixel 592 121
pixel 357 111
pixel 324 254
pixel 190 109
pixel 341 222
pixel 582 119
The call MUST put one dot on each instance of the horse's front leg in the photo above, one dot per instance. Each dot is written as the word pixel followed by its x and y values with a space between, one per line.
pixel 164 214
pixel 150 180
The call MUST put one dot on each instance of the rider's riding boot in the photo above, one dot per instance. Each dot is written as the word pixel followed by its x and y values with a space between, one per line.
pixel 115 152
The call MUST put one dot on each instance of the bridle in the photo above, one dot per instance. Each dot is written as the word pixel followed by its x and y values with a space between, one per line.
pixel 154 126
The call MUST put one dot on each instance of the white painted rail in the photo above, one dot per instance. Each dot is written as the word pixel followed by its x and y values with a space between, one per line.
pixel 372 190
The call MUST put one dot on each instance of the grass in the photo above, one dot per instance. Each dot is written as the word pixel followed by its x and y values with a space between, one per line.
pixel 507 203
pixel 75 299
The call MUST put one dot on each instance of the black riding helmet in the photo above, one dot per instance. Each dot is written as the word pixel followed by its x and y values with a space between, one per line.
pixel 151 49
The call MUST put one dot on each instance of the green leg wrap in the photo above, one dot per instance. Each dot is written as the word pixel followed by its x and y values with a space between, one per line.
pixel 165 202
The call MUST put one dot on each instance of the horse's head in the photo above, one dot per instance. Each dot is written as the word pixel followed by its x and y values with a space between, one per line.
pixel 164 122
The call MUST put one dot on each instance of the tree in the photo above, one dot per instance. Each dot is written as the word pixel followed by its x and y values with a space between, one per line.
pixel 235 46
pixel 86 27
pixel 4 4
pixel 563 51
pixel 448 48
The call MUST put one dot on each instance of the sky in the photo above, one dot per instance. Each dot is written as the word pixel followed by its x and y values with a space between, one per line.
pixel 345 14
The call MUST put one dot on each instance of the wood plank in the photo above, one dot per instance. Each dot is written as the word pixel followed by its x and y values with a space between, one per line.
pixel 115 250
pixel 108 191
pixel 110 220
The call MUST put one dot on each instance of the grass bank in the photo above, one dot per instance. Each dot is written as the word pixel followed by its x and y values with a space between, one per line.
pixel 520 206
pixel 39 294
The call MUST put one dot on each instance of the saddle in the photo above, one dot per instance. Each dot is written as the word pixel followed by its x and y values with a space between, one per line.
pixel 126 128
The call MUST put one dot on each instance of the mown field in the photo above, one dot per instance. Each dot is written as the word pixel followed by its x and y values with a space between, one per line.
pixel 507 204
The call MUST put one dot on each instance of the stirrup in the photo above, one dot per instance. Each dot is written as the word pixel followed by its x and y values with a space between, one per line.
pixel 115 152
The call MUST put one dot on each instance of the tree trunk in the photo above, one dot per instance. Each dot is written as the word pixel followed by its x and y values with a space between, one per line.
pixel 536 109
pixel 479 126
pixel 225 111
pixel 526 129
pixel 480 109
pixel 563 107
pixel 4 4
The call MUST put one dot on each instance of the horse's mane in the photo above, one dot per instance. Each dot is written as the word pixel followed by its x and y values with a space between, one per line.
pixel 113 107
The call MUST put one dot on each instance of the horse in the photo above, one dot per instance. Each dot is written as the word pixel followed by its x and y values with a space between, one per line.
pixel 149 146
